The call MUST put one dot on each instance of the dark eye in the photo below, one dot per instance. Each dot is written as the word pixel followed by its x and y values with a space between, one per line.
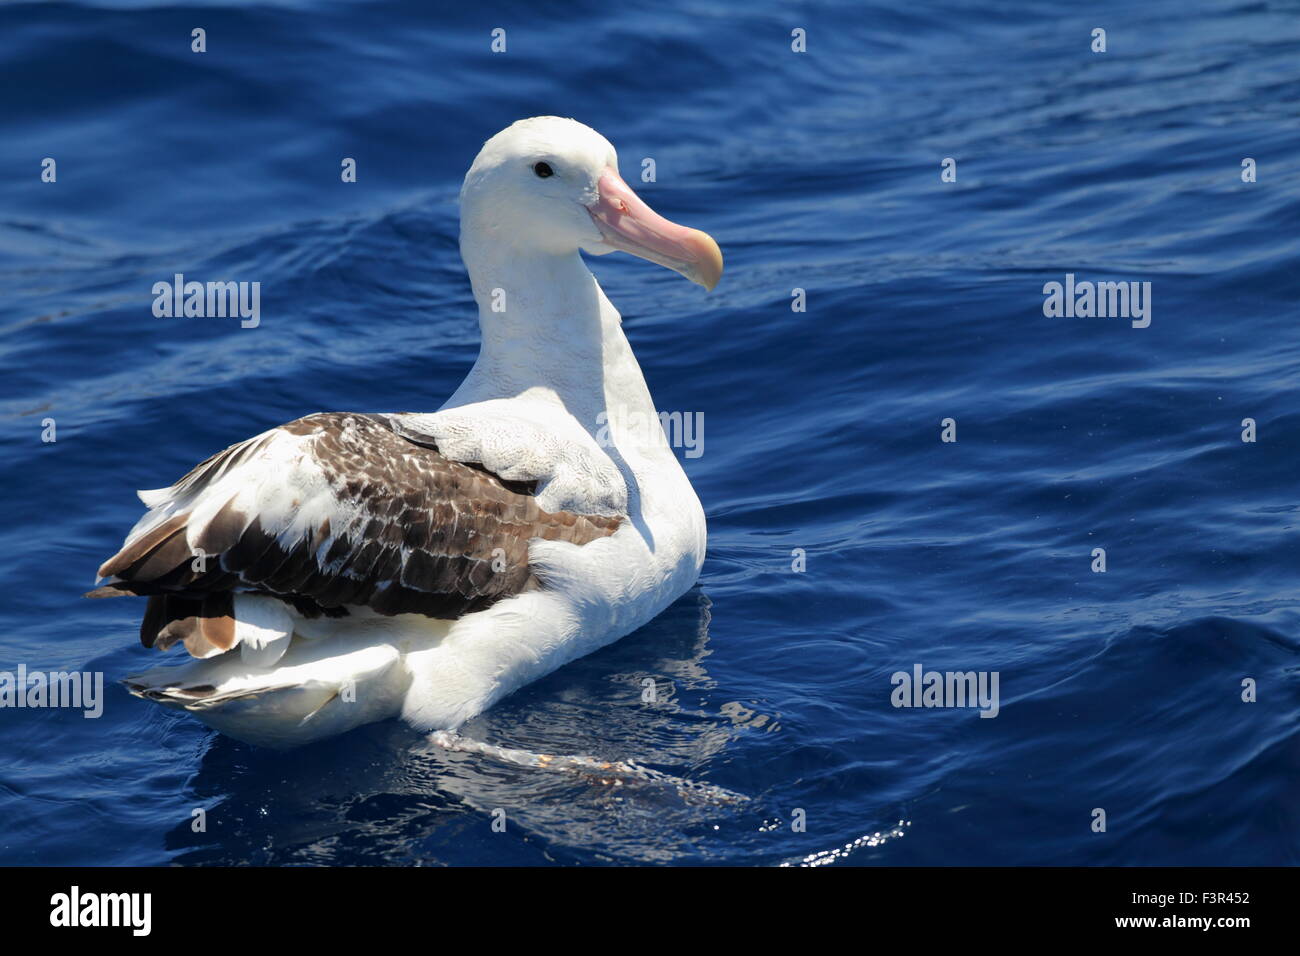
pixel 543 170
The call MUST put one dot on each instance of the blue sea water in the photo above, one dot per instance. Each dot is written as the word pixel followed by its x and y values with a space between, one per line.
pixel 818 171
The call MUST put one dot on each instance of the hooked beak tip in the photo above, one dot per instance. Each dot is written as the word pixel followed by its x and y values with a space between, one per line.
pixel 708 270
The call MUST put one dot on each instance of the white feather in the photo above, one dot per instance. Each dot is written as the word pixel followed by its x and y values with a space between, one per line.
pixel 554 374
pixel 263 629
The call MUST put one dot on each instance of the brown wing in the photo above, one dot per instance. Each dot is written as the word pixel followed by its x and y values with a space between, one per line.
pixel 331 511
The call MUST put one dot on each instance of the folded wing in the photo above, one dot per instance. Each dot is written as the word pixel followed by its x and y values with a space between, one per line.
pixel 326 513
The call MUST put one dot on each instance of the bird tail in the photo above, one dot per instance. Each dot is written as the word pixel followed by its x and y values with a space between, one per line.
pixel 315 689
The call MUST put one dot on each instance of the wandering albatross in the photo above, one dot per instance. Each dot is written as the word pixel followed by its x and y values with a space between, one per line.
pixel 346 568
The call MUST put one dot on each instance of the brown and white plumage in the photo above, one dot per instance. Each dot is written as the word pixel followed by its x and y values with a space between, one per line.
pixel 345 568
pixel 326 513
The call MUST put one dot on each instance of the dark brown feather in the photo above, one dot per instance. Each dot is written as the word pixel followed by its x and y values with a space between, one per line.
pixel 140 549
pixel 217 620
pixel 426 535
pixel 155 619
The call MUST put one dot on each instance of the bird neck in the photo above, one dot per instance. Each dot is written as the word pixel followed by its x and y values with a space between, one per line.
pixel 549 332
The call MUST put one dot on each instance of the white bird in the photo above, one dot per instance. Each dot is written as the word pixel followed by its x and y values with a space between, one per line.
pixel 346 568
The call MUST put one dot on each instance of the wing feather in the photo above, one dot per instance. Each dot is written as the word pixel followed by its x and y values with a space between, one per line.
pixel 328 512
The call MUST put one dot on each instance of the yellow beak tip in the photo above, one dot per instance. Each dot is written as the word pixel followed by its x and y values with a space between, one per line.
pixel 708 271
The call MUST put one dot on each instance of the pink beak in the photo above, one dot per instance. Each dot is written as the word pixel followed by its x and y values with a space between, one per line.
pixel 627 223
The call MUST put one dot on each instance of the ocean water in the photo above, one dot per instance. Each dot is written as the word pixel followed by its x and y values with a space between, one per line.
pixel 822 444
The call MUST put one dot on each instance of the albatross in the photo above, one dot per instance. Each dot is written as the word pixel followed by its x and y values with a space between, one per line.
pixel 351 567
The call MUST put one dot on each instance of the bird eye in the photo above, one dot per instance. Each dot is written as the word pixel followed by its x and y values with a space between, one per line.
pixel 543 170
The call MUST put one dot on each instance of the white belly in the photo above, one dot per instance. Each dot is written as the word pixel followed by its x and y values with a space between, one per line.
pixel 340 673
pixel 593 595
